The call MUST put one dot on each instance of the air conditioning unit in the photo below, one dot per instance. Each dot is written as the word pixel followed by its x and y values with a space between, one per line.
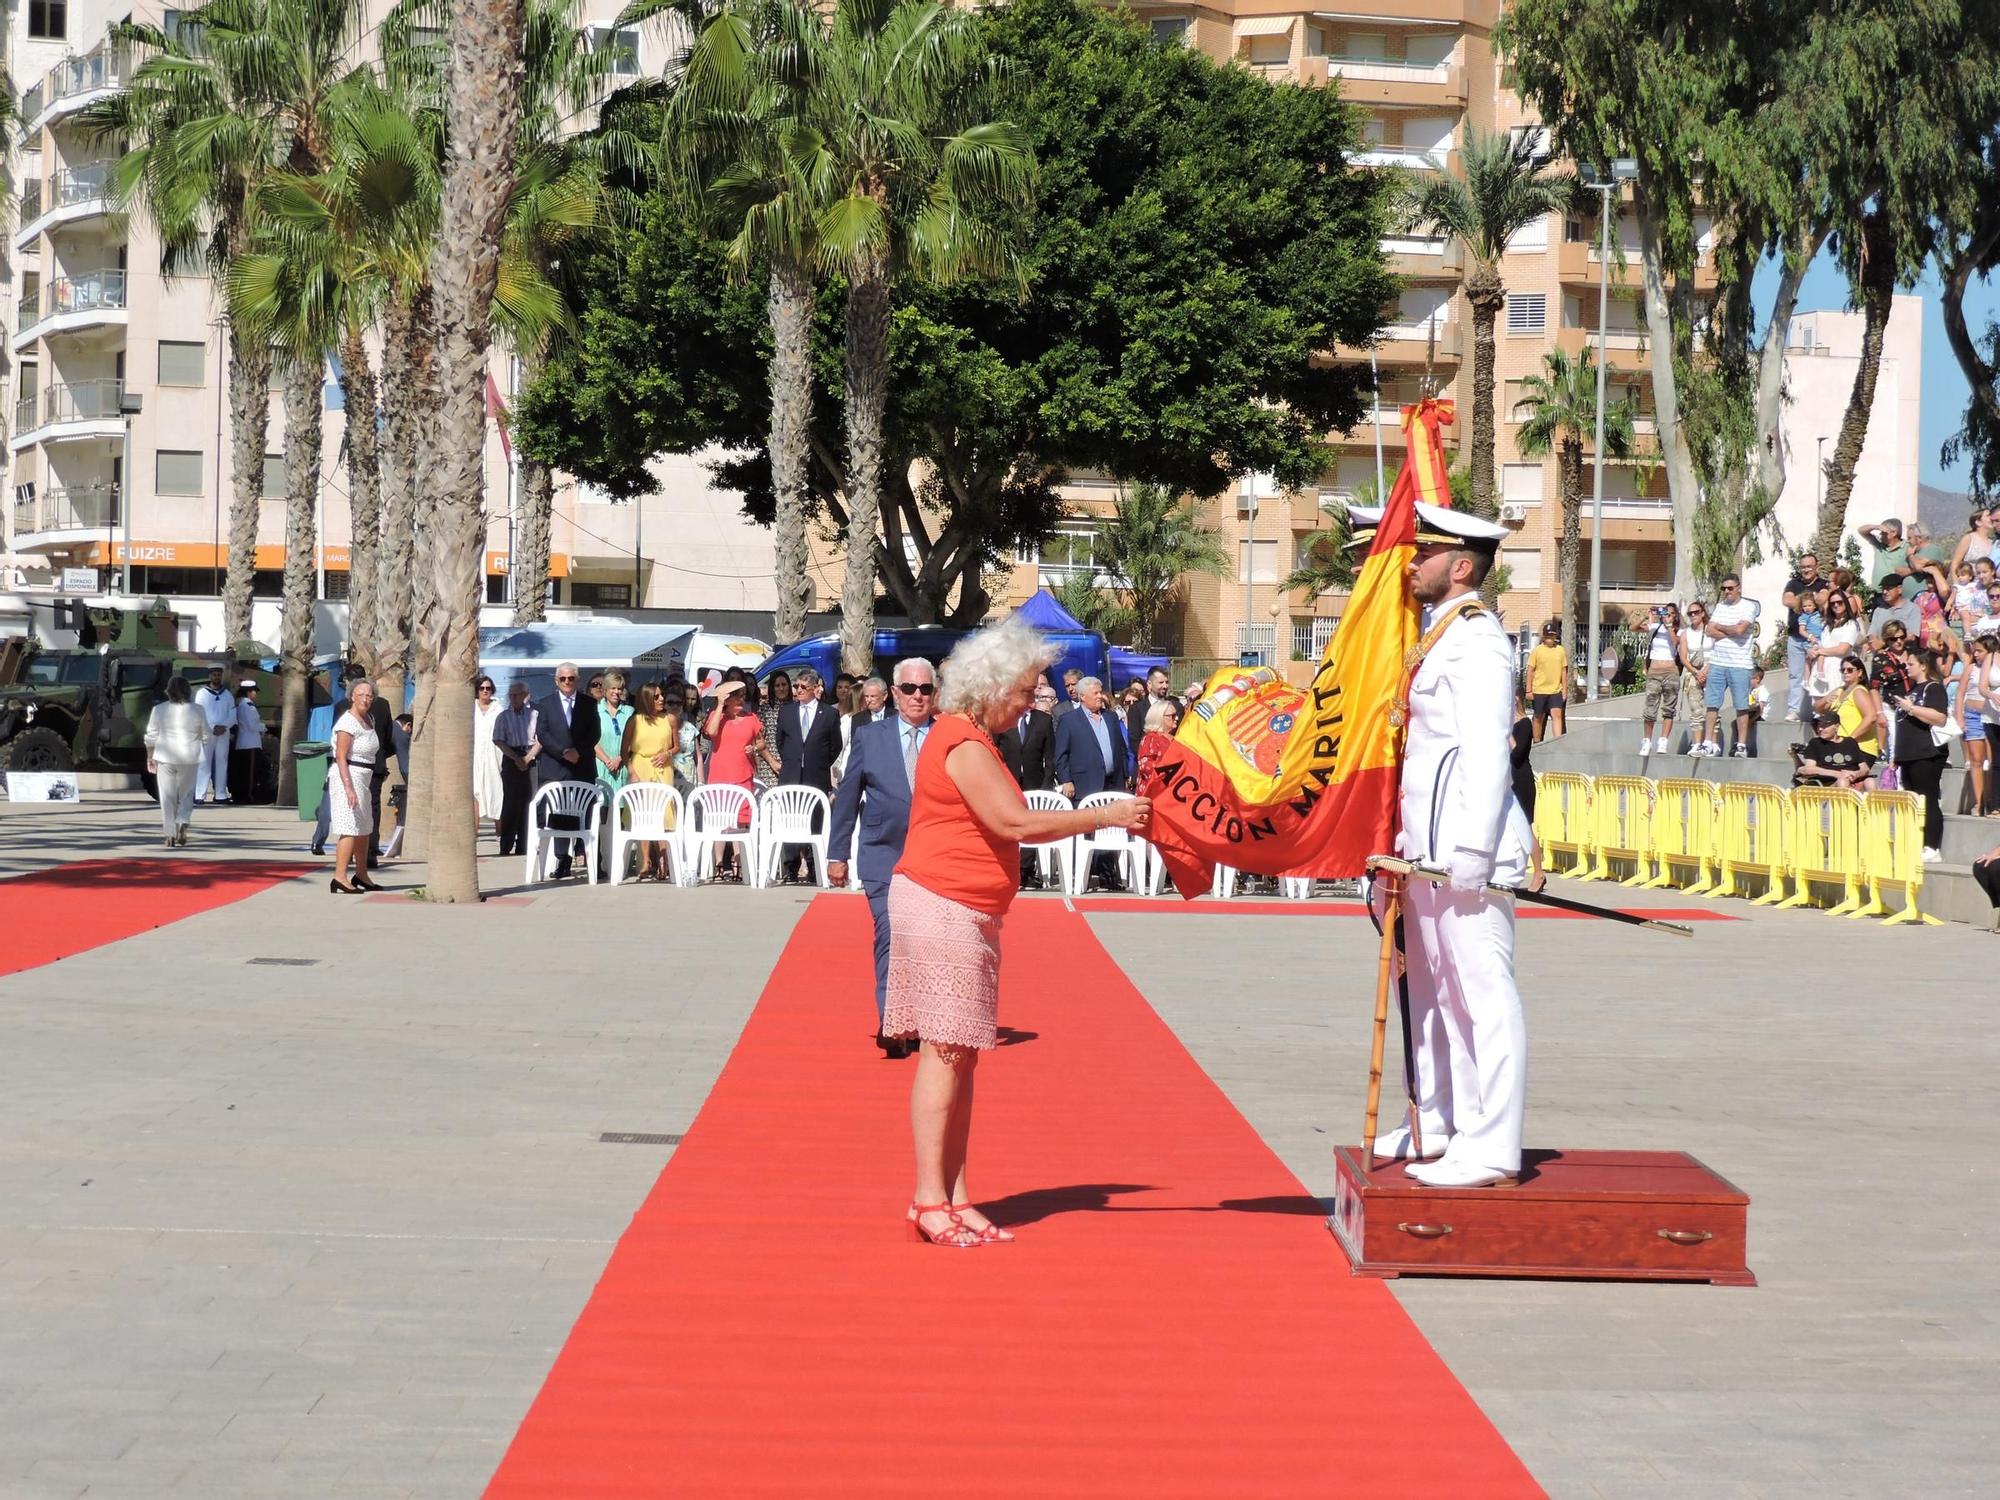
pixel 1513 510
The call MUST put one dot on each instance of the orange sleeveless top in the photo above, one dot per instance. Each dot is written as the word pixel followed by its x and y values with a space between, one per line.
pixel 948 851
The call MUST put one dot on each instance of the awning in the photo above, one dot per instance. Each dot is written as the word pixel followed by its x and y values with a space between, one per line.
pixel 523 650
pixel 1265 25
pixel 270 556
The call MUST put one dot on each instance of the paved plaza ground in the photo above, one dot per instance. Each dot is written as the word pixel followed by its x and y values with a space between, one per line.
pixel 319 1227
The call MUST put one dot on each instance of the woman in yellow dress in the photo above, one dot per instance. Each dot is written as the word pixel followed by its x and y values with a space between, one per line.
pixel 651 737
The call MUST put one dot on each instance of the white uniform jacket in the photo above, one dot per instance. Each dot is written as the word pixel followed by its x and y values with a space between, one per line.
pixel 1458 791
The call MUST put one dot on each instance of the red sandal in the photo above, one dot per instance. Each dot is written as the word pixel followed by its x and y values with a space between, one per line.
pixel 992 1234
pixel 958 1236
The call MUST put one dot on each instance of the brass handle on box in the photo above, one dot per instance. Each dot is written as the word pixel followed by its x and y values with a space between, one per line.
pixel 1688 1236
pixel 1429 1231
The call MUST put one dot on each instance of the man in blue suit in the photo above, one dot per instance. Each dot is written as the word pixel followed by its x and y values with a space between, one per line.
pixel 1091 757
pixel 881 770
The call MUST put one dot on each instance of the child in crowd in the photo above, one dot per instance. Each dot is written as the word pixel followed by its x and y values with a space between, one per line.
pixel 1968 600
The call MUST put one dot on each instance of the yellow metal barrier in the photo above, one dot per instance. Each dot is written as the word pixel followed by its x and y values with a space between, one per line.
pixel 1562 821
pixel 1826 845
pixel 1892 854
pixel 1684 824
pixel 1751 828
pixel 1621 820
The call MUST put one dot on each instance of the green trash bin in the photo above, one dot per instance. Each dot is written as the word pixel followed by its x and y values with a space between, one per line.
pixel 309 762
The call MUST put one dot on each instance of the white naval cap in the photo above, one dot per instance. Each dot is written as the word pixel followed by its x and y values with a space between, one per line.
pixel 1437 526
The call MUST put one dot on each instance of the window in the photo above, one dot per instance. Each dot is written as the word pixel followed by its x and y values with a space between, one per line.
pixel 48 19
pixel 601 595
pixel 1533 236
pixel 182 363
pixel 1521 484
pixel 1516 404
pixel 1311 635
pixel 176 472
pixel 1069 550
pixel 336 584
pixel 1316 43
pixel 1265 557
pixel 1527 312
pixel 274 476
pixel 622 45
pixel 1524 566
pixel 1170 31
pixel 177 29
pixel 1539 139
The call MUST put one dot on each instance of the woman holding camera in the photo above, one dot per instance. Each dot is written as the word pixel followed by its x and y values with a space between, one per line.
pixel 1920 755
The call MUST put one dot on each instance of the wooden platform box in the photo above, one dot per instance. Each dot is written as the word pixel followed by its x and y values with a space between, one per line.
pixel 1597 1215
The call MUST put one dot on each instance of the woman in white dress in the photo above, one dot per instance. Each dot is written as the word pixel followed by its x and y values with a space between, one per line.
pixel 176 736
pixel 356 750
pixel 487 792
pixel 1840 637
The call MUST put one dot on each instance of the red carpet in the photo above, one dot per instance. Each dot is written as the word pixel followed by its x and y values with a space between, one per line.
pixel 1124 905
pixel 90 902
pixel 1174 1320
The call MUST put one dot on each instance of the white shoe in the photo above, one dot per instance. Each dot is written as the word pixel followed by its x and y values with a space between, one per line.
pixel 1791 718
pixel 1395 1146
pixel 1645 746
pixel 1711 749
pixel 1664 745
pixel 1453 1173
pixel 1931 857
pixel 1741 752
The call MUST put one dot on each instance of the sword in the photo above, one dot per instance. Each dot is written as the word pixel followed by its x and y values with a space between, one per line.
pixel 1389 864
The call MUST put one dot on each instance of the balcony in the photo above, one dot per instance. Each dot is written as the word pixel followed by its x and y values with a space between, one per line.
pixel 1625 349
pixel 71 304
pixel 71 85
pixel 79 409
pixel 1407 158
pixel 1377 80
pixel 64 513
pixel 1424 257
pixel 67 197
pixel 1578 262
pixel 1426 341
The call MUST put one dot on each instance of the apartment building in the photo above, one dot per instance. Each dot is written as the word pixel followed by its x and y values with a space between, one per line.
pixel 119 453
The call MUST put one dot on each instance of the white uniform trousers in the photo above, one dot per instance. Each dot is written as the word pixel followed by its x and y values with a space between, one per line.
pixel 1468 1035
pixel 213 769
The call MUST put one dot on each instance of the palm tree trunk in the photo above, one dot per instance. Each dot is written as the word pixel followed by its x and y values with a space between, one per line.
pixel 1878 293
pixel 1569 551
pixel 398 467
pixel 423 584
pixel 867 407
pixel 249 421
pixel 483 108
pixel 529 564
pixel 1487 296
pixel 791 419
pixel 303 407
pixel 364 493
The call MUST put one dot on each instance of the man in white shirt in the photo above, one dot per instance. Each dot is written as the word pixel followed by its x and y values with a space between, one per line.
pixel 249 743
pixel 1732 652
pixel 218 712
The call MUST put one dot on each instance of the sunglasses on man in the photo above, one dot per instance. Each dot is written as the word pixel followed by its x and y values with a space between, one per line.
pixel 915 689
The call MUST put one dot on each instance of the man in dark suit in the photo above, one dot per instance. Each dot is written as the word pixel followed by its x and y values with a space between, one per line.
pixel 1028 747
pixel 1157 688
pixel 1091 756
pixel 808 736
pixel 567 730
pixel 881 770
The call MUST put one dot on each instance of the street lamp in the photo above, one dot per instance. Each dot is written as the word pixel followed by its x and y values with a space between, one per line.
pixel 1622 170
pixel 130 404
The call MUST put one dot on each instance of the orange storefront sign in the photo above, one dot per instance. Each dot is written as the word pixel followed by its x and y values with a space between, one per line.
pixel 270 557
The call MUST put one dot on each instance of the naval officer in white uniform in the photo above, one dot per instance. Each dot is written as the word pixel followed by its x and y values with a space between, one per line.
pixel 1458 813
pixel 218 712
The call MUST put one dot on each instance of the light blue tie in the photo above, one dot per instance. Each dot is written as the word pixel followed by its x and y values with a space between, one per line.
pixel 911 734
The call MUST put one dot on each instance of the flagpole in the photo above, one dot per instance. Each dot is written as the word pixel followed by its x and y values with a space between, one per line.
pixel 1385 976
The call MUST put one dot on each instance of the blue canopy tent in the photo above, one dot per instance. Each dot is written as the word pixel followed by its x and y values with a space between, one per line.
pixel 532 653
pixel 1082 649
pixel 1132 666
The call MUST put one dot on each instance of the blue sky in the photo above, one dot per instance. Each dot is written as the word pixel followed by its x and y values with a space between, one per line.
pixel 1945 390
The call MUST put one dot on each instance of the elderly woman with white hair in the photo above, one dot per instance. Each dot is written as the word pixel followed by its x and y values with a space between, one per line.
pixel 947 898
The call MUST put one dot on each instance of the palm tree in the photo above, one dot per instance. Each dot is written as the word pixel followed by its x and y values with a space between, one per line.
pixel 889 91
pixel 1502 192
pixel 1326 558
pixel 762 179
pixel 1152 542
pixel 1562 415
pixel 483 115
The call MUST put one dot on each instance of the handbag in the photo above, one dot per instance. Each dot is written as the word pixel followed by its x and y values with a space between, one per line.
pixel 1943 734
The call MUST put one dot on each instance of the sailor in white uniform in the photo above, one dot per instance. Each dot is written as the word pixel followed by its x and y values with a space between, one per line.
pixel 1469 1041
pixel 218 712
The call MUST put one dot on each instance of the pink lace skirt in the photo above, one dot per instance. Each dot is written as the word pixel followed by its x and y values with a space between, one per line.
pixel 944 969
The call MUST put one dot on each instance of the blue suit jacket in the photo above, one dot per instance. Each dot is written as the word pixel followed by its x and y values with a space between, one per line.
pixel 1078 759
pixel 875 790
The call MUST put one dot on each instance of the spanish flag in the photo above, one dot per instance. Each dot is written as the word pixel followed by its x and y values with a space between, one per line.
pixel 1274 781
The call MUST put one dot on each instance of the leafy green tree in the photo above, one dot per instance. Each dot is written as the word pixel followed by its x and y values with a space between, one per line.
pixel 1150 545
pixel 1094 606
pixel 1501 192
pixel 1562 417
pixel 1189 258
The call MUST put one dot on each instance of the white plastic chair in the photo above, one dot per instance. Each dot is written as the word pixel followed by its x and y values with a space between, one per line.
pixel 563 799
pixel 792 815
pixel 646 805
pixel 1296 887
pixel 1223 886
pixel 1116 842
pixel 1053 857
pixel 713 813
